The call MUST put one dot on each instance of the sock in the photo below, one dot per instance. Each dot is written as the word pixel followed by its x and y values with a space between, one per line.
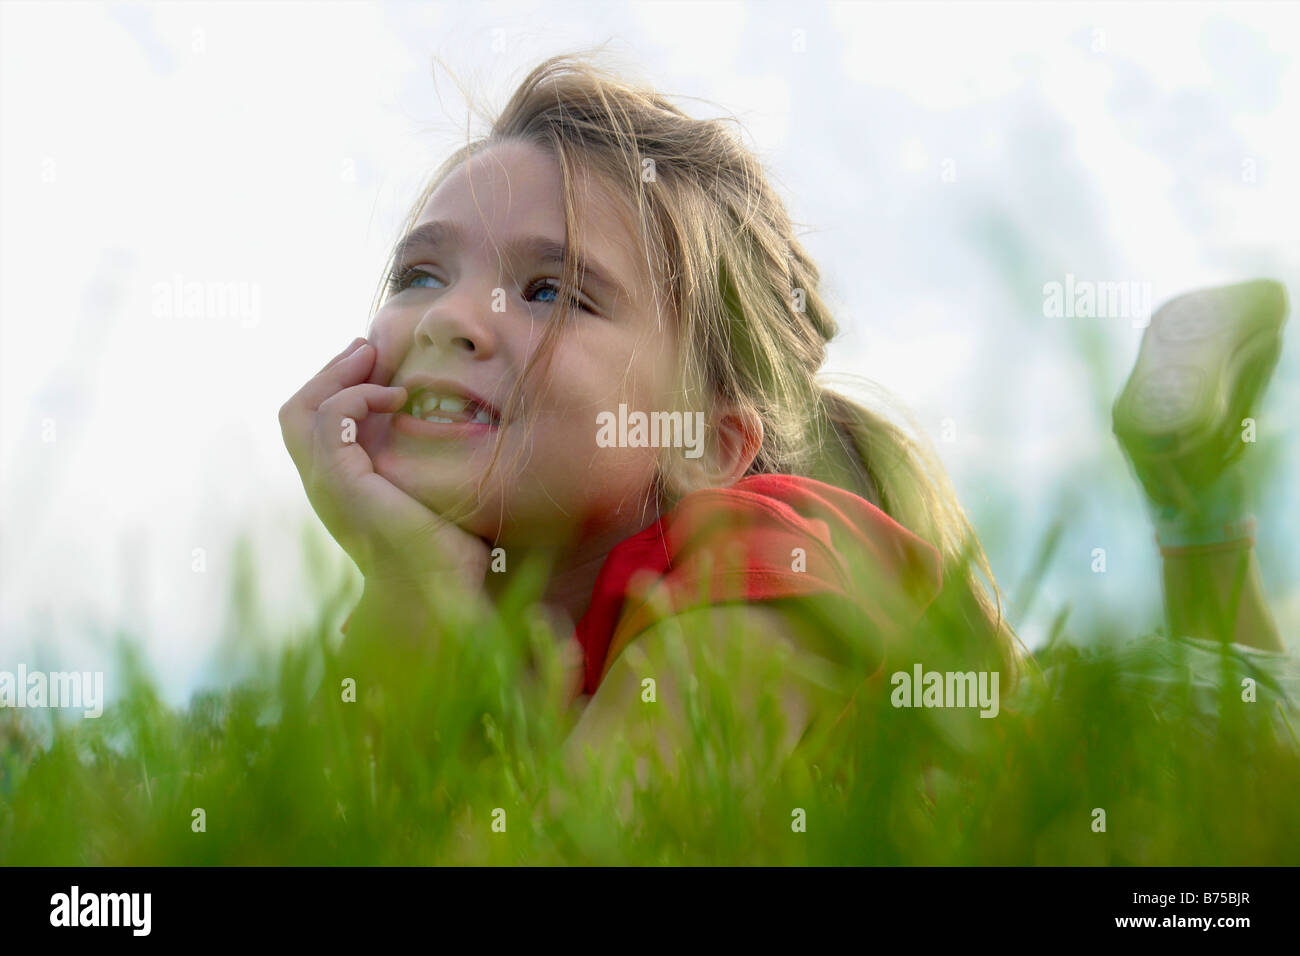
pixel 1217 518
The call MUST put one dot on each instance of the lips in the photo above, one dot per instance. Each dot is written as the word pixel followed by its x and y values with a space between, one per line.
pixel 448 402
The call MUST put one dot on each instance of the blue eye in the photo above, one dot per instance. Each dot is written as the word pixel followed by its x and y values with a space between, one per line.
pixel 550 286
pixel 401 279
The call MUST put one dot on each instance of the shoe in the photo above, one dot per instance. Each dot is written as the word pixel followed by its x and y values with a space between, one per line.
pixel 1205 359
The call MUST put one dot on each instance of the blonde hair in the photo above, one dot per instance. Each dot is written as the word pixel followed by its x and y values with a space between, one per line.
pixel 752 322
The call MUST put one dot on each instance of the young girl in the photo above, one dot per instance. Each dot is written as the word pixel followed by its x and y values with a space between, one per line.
pixel 597 256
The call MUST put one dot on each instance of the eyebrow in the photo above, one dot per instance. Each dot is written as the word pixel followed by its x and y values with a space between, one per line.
pixel 435 235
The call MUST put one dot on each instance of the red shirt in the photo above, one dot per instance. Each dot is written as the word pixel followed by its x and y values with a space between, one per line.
pixel 767 537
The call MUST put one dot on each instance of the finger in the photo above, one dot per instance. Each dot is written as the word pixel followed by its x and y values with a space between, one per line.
pixel 382 373
pixel 336 451
pixel 352 369
pixel 298 415
pixel 352 347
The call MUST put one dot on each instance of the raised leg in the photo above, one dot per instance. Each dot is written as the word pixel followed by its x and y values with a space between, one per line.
pixel 1184 422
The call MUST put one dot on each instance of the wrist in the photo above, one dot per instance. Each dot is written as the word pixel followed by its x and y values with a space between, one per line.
pixel 416 566
pixel 388 609
pixel 401 579
pixel 416 601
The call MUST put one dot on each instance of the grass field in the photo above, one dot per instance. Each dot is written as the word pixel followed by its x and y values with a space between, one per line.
pixel 449 755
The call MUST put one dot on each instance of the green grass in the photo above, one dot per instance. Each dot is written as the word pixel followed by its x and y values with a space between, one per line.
pixel 1153 732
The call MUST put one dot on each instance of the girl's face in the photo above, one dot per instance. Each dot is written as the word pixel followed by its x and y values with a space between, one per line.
pixel 467 317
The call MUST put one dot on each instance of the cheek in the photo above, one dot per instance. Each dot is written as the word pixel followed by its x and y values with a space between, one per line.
pixel 656 371
pixel 589 382
pixel 600 377
pixel 563 463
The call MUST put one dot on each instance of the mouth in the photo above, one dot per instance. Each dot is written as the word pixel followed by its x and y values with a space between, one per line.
pixel 450 407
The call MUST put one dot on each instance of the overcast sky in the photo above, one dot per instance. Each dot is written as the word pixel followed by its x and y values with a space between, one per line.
pixel 948 161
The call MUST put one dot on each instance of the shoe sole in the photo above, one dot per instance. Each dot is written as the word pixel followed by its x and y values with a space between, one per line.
pixel 1205 358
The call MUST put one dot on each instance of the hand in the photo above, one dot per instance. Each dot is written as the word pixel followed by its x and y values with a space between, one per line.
pixel 396 542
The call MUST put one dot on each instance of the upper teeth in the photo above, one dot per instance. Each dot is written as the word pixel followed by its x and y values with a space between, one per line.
pixel 445 402
pixel 427 405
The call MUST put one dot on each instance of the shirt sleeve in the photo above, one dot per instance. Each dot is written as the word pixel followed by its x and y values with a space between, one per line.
pixel 804 545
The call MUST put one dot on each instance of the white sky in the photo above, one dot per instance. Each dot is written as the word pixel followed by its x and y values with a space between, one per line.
pixel 276 146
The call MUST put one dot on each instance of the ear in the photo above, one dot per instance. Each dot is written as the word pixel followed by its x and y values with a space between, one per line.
pixel 729 447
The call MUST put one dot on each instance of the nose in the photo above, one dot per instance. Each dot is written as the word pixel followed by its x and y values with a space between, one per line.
pixel 458 323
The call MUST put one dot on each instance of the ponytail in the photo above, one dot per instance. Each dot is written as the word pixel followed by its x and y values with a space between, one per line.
pixel 864 452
